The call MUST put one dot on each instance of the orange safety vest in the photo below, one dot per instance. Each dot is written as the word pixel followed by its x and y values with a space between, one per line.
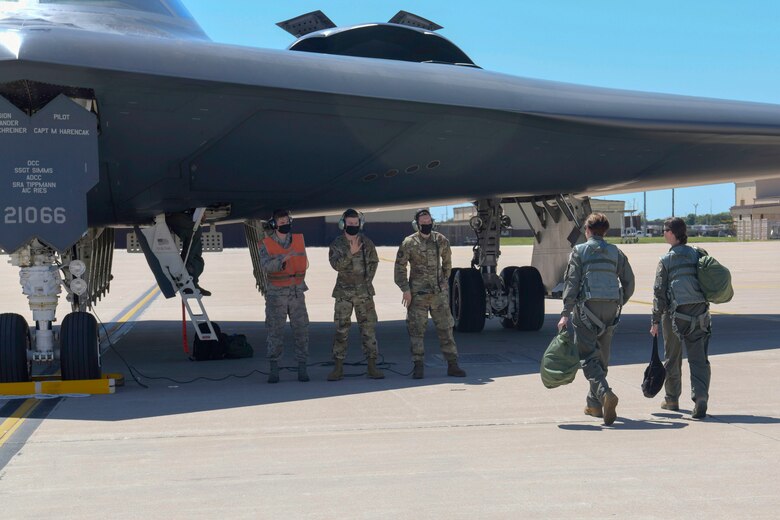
pixel 295 266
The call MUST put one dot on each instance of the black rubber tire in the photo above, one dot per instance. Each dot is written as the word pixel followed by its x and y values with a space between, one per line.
pixel 14 342
pixel 508 322
pixel 453 272
pixel 468 301
pixel 79 356
pixel 530 301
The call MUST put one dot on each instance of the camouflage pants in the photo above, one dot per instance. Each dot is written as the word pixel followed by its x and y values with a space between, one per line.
pixel 365 311
pixel 279 305
pixel 594 345
pixel 696 339
pixel 417 319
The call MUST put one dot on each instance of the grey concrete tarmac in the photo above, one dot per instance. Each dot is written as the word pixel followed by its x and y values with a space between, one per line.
pixel 496 444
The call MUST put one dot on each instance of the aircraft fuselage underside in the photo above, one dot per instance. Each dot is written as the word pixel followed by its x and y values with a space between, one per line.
pixel 170 143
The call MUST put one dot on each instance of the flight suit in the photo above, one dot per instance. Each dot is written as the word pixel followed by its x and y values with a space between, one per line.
pixel 598 282
pixel 181 225
pixel 681 308
pixel 283 301
pixel 354 290
pixel 430 261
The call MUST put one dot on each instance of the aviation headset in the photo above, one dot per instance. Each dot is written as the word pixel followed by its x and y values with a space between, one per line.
pixel 344 216
pixel 420 213
pixel 280 213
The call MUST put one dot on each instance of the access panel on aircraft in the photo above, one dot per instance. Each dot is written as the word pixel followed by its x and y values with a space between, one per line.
pixel 49 163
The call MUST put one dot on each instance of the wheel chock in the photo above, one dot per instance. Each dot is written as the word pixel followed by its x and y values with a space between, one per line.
pixel 52 385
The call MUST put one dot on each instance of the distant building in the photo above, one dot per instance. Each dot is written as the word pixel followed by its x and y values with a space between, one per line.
pixel 757 213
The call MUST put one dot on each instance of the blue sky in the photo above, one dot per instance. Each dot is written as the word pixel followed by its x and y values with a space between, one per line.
pixel 711 48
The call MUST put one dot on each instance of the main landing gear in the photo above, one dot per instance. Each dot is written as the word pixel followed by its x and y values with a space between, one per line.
pixel 516 295
pixel 84 271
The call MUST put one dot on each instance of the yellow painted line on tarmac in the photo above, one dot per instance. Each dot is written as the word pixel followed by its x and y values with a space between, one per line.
pixel 386 260
pixel 11 424
pixel 106 386
pixel 129 314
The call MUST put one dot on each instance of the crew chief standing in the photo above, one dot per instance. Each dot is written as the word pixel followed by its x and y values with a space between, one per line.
pixel 427 289
pixel 283 260
pixel 353 255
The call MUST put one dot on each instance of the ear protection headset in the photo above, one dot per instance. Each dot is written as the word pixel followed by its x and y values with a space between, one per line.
pixel 361 219
pixel 272 221
pixel 416 221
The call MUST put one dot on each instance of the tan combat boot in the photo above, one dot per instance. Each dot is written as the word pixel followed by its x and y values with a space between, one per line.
pixel 338 371
pixel 609 403
pixel 699 409
pixel 668 404
pixel 419 371
pixel 303 375
pixel 373 371
pixel 273 373
pixel 594 411
pixel 454 370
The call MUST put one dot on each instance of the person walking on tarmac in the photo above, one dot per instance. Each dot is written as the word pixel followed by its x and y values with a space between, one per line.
pixel 427 290
pixel 353 255
pixel 283 260
pixel 680 306
pixel 597 283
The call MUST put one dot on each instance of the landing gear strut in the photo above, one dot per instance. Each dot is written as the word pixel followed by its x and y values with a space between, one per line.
pixel 516 294
pixel 42 282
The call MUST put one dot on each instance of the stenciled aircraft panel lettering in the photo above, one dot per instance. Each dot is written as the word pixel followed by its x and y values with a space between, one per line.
pixel 49 161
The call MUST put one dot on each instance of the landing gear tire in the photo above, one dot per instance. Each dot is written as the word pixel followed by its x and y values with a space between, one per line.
pixel 79 356
pixel 14 342
pixel 506 276
pixel 527 289
pixel 452 280
pixel 468 301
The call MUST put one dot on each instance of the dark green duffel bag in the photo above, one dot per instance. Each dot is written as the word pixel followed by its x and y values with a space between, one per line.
pixel 714 279
pixel 560 361
pixel 238 347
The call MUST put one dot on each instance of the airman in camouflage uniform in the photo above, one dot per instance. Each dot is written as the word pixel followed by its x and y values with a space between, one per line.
pixel 354 256
pixel 285 271
pixel 427 290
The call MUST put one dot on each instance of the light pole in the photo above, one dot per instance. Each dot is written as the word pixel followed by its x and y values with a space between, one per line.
pixel 695 205
pixel 672 202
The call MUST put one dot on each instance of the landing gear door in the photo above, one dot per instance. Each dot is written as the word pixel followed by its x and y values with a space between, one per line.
pixel 48 164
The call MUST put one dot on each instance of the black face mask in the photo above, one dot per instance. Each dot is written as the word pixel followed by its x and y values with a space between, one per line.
pixel 285 228
pixel 352 230
pixel 426 229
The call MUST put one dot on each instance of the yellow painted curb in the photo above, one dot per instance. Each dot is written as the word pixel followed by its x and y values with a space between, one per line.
pixel 46 385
